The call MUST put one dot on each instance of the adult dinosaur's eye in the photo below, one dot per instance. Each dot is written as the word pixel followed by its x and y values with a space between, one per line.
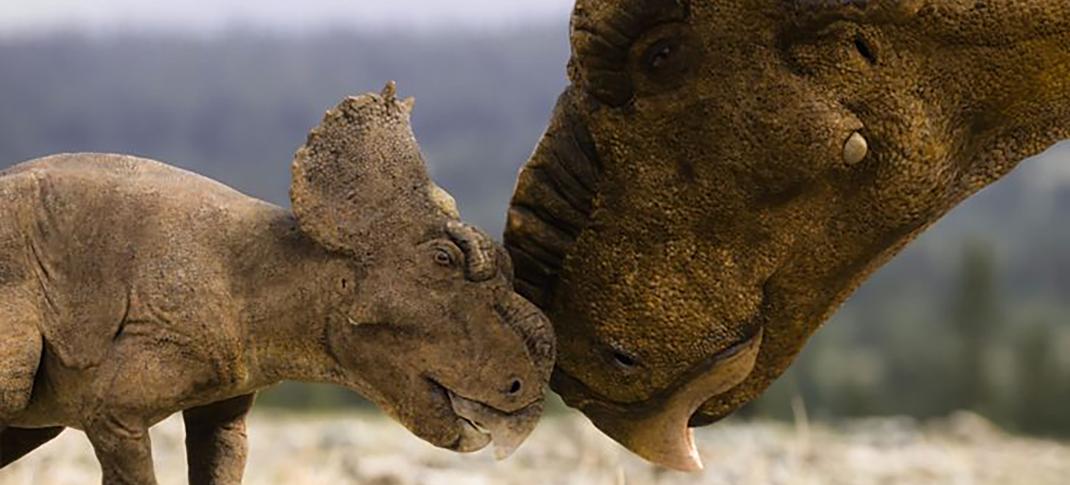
pixel 663 58
pixel 609 50
pixel 660 54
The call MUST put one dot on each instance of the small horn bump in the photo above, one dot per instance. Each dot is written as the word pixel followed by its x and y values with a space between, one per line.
pixel 390 91
pixel 856 149
pixel 444 201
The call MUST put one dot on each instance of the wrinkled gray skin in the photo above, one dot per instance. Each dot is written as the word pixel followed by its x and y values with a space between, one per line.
pixel 720 175
pixel 131 290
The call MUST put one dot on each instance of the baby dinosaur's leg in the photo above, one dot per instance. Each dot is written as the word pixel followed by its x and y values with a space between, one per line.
pixel 123 450
pixel 215 441
pixel 15 443
pixel 141 380
pixel 20 354
pixel 151 370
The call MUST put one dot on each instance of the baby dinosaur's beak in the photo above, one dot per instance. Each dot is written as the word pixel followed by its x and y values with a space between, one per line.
pixel 507 430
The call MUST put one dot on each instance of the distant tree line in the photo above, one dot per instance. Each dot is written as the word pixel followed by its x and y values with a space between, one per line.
pixel 980 350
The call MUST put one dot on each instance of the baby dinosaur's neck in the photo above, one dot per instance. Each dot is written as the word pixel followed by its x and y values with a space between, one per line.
pixel 286 286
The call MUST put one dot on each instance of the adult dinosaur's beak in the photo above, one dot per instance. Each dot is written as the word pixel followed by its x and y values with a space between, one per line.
pixel 657 429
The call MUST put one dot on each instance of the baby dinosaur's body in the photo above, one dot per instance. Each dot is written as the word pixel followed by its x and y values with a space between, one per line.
pixel 131 290
pixel 126 279
pixel 125 294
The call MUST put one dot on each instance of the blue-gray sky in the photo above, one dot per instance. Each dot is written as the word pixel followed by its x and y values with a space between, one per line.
pixel 30 16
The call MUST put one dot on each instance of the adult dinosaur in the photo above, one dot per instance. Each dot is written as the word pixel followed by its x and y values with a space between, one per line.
pixel 720 176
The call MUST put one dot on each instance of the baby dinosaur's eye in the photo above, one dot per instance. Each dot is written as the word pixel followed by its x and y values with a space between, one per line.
pixel 445 253
pixel 443 257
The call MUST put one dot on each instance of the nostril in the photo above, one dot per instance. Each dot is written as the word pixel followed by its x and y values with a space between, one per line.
pixel 515 387
pixel 624 361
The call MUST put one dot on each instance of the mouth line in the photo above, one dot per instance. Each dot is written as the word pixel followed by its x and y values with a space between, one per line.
pixel 478 427
pixel 656 400
pixel 450 396
pixel 461 422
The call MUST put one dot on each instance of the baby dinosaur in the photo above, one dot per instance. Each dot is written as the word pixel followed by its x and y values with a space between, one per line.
pixel 131 290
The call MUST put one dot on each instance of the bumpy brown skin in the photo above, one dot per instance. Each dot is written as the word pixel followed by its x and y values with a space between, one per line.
pixel 693 185
pixel 131 290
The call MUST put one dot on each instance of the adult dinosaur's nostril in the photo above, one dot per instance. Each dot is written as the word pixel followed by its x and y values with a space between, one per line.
pixel 515 387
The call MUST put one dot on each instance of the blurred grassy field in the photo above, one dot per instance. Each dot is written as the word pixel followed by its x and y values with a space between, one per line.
pixel 369 449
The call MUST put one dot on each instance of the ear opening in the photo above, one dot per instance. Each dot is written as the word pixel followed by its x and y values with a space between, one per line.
pixel 360 180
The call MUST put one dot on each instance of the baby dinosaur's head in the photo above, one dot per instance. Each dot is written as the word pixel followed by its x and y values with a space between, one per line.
pixel 429 327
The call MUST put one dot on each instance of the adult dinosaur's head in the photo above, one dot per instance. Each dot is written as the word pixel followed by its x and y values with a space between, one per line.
pixel 719 176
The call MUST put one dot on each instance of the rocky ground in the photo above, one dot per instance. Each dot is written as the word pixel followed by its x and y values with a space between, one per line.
pixel 360 448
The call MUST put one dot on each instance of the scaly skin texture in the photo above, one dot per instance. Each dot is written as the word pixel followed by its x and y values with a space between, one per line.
pixel 131 290
pixel 716 168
